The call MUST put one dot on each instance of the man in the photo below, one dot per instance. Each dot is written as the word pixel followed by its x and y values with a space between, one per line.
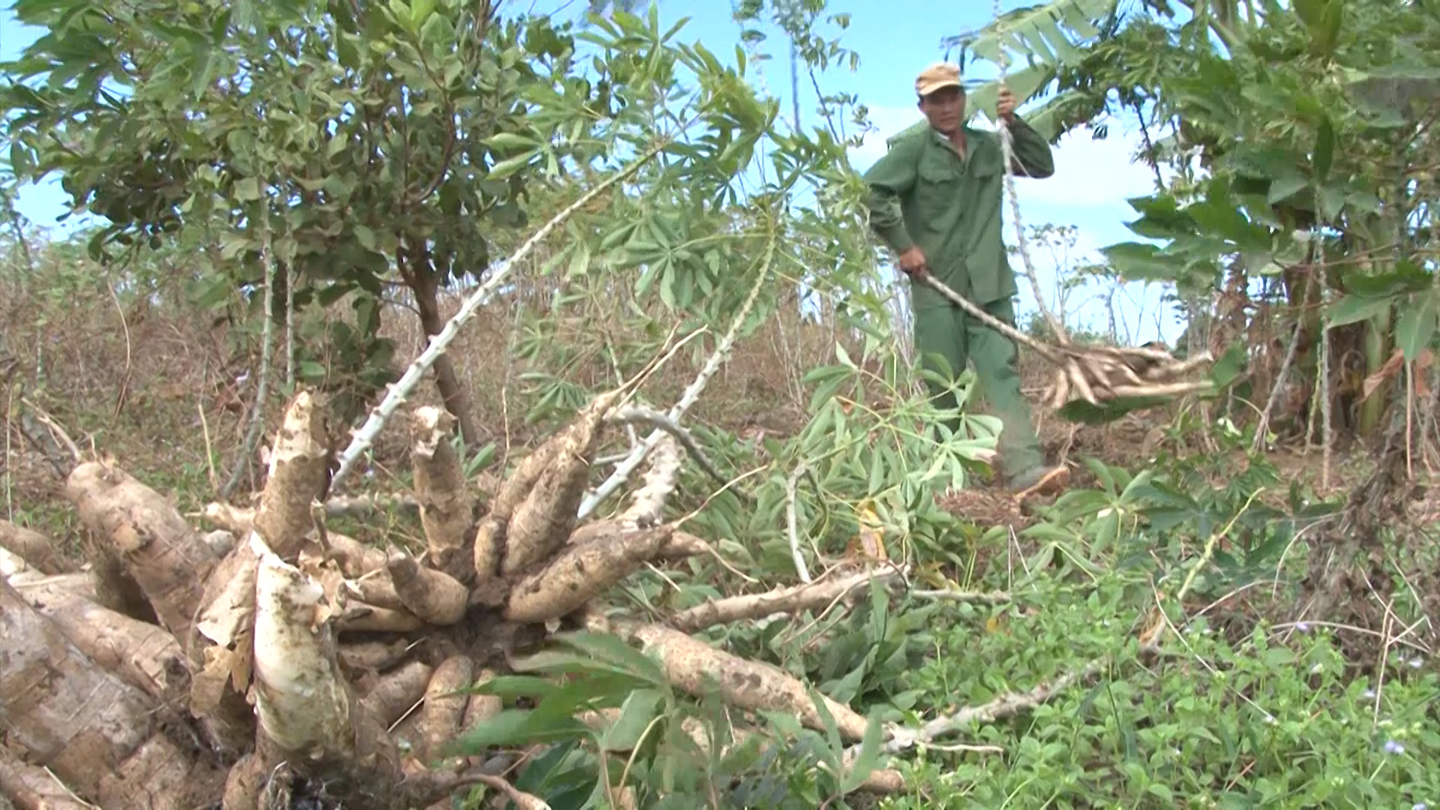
pixel 935 199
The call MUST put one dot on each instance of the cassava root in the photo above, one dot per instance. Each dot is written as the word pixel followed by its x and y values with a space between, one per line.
pixel 299 667
pixel 1095 373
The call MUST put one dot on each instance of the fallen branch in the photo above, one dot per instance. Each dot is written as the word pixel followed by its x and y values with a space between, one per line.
pixel 782 600
pixel 632 414
pixel 1007 705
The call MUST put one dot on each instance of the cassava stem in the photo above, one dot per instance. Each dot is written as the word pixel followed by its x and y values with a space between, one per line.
pixel 365 437
pixel 692 393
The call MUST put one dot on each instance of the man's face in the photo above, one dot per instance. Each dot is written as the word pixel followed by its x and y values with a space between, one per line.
pixel 945 108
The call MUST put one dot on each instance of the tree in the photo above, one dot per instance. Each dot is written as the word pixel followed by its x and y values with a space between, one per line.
pixel 1297 144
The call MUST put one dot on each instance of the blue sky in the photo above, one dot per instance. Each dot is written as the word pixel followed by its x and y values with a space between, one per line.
pixel 894 39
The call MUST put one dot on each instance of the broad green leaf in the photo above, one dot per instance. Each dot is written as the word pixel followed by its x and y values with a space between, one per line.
pixel 1284 188
pixel 636 714
pixel 511 165
pixel 365 236
pixel 247 190
pixel 1415 327
pixel 1140 261
pixel 1406 277
pixel 1354 309
pixel 517 727
pixel 603 647
pixel 510 140
pixel 868 758
pixel 1229 366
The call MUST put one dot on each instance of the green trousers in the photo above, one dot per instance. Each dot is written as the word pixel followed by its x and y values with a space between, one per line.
pixel 949 333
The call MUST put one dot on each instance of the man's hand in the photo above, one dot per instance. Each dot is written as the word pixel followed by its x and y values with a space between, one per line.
pixel 912 261
pixel 1005 104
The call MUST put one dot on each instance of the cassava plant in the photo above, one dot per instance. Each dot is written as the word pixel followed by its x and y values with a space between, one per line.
pixel 279 658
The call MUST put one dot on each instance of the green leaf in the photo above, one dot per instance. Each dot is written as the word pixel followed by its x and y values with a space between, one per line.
pixel 513 728
pixel 511 165
pixel 1405 277
pixel 1283 188
pixel 639 709
pixel 508 141
pixel 1141 261
pixel 1354 309
pixel 868 758
pixel 603 647
pixel 1416 325
pixel 1106 411
pixel 579 261
pixel 1230 365
pixel 365 236
pixel 247 190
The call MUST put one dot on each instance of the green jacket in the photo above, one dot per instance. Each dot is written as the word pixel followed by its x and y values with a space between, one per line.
pixel 923 193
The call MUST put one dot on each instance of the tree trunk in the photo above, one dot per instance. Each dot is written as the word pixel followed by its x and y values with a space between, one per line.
pixel 419 273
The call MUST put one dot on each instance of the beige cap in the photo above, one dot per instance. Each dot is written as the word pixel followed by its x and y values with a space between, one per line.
pixel 936 77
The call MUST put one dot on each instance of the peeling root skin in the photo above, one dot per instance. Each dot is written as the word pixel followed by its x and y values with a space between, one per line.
pixel 446 503
pixel 393 694
pixel 543 521
pixel 354 557
pixel 143 655
pixel 301 697
pixel 100 736
pixel 581 572
pixel 167 558
pixel 32 788
pixel 296 477
pixel 489 541
pixel 444 710
pixel 693 666
pixel 34 548
pixel 434 597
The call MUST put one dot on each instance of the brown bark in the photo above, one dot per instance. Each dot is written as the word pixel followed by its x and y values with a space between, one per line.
pixel 447 506
pixel 31 788
pixel 297 476
pixel 420 275
pixel 34 548
pixel 168 558
pixel 102 737
pixel 142 654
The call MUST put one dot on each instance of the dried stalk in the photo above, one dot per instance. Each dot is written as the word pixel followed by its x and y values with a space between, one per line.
pixel 262 385
pixel 1263 426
